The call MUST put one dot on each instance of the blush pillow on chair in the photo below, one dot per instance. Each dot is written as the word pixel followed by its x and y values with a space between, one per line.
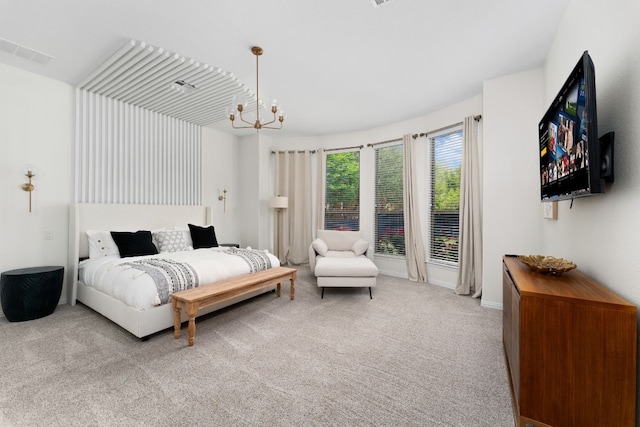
pixel 320 247
pixel 360 247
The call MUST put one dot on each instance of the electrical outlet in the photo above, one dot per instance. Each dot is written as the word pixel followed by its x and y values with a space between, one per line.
pixel 48 234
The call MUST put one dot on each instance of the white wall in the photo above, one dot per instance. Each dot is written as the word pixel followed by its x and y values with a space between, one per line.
pixel 220 156
pixel 600 233
pixel 36 126
pixel 512 212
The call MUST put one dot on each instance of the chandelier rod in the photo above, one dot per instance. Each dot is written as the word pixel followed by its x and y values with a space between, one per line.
pixel 257 51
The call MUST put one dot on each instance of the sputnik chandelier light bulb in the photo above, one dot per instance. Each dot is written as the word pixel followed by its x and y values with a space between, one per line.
pixel 259 123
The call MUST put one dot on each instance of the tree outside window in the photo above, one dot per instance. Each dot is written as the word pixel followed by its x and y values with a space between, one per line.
pixel 446 155
pixel 342 191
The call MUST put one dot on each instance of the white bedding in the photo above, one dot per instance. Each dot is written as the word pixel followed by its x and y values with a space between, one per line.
pixel 137 289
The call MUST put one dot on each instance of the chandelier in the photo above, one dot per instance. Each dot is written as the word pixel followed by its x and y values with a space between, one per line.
pixel 239 105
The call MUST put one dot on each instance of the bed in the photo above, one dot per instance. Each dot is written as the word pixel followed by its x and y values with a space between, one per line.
pixel 143 318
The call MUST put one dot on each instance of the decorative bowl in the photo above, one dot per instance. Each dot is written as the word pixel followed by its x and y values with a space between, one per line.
pixel 547 264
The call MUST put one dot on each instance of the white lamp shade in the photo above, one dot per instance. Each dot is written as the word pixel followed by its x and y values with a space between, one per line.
pixel 279 202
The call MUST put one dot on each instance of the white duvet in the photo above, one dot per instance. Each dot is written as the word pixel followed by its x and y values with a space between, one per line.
pixel 137 289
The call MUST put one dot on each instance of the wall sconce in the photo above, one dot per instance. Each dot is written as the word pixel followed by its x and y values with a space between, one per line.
pixel 29 172
pixel 223 198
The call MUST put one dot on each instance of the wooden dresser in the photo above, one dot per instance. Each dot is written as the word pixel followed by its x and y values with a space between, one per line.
pixel 570 345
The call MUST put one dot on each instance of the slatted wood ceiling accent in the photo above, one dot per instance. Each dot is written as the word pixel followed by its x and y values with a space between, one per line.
pixel 142 75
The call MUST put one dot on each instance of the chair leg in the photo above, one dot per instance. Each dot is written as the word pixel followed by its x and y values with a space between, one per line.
pixel 370 296
pixel 322 295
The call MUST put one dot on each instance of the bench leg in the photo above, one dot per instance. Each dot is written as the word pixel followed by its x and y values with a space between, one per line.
pixel 176 319
pixel 278 290
pixel 292 289
pixel 192 310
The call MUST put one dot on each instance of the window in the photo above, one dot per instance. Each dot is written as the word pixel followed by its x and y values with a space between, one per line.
pixel 342 191
pixel 446 160
pixel 389 206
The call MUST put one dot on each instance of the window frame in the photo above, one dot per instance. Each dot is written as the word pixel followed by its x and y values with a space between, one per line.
pixel 394 234
pixel 457 129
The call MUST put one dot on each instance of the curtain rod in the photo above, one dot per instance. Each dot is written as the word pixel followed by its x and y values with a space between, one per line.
pixel 328 149
pixel 293 151
pixel 344 148
pixel 383 142
pixel 415 135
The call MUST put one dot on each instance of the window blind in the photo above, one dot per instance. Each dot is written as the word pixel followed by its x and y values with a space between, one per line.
pixel 342 191
pixel 446 160
pixel 389 205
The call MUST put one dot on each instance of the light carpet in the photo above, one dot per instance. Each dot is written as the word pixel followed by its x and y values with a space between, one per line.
pixel 415 355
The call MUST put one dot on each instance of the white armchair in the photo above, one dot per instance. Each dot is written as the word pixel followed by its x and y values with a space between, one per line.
pixel 339 259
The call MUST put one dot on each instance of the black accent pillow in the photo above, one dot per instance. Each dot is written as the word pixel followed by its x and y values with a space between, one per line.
pixel 203 237
pixel 134 243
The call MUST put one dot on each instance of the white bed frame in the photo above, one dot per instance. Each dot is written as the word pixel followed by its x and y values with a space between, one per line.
pixel 123 217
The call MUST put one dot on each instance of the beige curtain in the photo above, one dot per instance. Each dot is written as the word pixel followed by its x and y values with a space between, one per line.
pixel 470 260
pixel 414 247
pixel 322 171
pixel 293 179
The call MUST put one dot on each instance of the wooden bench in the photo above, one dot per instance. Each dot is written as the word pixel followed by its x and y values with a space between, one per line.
pixel 203 296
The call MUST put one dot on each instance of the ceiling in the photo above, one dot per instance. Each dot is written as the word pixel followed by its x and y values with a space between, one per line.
pixel 335 66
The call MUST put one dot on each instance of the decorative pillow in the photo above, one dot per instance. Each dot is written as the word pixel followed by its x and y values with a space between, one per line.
pixel 134 243
pixel 101 244
pixel 186 233
pixel 154 233
pixel 320 247
pixel 203 237
pixel 360 247
pixel 170 241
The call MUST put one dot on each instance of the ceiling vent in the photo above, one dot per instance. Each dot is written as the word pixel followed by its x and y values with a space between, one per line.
pixel 24 52
pixel 378 3
pixel 183 87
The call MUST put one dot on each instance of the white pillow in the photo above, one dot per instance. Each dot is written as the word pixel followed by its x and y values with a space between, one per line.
pixel 360 246
pixel 101 244
pixel 320 247
pixel 170 241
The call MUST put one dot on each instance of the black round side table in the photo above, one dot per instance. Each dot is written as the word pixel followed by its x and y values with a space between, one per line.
pixel 30 293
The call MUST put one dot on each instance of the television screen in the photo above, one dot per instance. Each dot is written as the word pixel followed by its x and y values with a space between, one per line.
pixel 568 138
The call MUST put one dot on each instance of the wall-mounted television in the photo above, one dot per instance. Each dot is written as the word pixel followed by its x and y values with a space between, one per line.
pixel 570 151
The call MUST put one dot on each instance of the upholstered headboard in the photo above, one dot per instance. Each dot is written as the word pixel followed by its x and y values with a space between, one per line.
pixel 123 217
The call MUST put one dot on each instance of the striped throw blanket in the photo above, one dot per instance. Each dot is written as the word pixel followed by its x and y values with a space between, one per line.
pixel 169 276
pixel 257 260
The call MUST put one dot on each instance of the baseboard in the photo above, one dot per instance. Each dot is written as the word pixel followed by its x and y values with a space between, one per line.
pixel 441 283
pixel 491 304
pixel 393 274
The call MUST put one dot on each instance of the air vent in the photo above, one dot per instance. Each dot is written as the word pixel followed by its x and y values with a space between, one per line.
pixel 183 87
pixel 378 3
pixel 24 52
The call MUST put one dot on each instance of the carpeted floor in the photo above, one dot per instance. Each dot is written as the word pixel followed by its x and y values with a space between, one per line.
pixel 415 355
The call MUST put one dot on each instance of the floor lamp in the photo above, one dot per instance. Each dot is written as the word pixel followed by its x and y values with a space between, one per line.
pixel 278 203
